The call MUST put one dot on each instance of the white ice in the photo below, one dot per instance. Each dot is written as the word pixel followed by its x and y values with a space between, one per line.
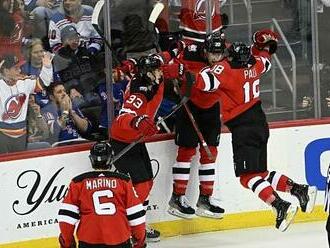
pixel 300 235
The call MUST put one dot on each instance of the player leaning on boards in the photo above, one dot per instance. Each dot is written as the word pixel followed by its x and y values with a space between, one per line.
pixel 236 80
pixel 106 205
pixel 142 98
pixel 202 130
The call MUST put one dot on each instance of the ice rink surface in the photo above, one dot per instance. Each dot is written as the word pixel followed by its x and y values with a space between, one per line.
pixel 303 235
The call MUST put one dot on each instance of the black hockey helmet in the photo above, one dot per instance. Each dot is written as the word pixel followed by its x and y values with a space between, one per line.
pixel 101 155
pixel 240 54
pixel 214 43
pixel 149 63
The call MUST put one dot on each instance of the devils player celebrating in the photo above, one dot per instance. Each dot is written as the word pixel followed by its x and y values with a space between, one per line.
pixel 236 80
pixel 206 110
pixel 106 205
pixel 136 119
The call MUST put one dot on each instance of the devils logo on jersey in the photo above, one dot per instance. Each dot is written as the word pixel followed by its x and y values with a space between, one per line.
pixel 200 9
pixel 13 106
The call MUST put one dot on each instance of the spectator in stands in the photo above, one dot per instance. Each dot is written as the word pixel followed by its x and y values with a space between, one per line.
pixel 137 38
pixel 38 130
pixel 118 90
pixel 31 5
pixel 14 94
pixel 65 120
pixel 11 27
pixel 40 12
pixel 78 15
pixel 74 64
pixel 33 54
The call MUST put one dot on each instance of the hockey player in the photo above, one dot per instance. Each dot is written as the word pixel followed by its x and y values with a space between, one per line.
pixel 105 204
pixel 236 80
pixel 206 110
pixel 136 119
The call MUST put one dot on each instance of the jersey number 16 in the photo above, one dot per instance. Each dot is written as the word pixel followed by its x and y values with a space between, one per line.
pixel 247 90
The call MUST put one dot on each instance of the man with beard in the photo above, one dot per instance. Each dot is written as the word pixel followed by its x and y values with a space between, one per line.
pixel 65 120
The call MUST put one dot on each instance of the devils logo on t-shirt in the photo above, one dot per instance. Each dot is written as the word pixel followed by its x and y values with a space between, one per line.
pixel 13 106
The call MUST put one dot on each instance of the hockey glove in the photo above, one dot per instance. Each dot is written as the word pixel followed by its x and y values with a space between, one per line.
pixel 176 48
pixel 144 125
pixel 224 20
pixel 173 71
pixel 128 66
pixel 265 39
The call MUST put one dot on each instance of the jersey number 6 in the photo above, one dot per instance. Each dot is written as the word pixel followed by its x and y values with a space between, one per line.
pixel 106 208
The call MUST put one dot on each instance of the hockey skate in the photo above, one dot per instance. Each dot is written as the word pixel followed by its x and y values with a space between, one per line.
pixel 306 196
pixel 152 235
pixel 206 207
pixel 180 207
pixel 285 213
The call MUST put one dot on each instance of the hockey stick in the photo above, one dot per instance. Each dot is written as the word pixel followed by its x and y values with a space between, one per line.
pixel 192 119
pixel 156 11
pixel 158 8
pixel 131 145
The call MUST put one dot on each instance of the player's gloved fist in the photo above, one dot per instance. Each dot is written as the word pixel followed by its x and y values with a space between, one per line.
pixel 144 125
pixel 172 71
pixel 265 39
pixel 128 66
pixel 224 20
pixel 176 48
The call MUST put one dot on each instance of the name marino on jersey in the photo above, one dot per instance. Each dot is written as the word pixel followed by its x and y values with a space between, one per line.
pixel 101 183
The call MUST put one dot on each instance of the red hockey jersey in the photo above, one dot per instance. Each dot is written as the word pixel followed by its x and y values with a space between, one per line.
pixel 107 207
pixel 140 99
pixel 194 61
pixel 193 19
pixel 237 88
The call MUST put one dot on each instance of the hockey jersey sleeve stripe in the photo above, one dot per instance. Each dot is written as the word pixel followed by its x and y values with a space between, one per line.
pixel 68 213
pixel 67 219
pixel 211 83
pixel 266 63
pixel 70 207
pixel 136 215
pixel 134 209
pixel 137 221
